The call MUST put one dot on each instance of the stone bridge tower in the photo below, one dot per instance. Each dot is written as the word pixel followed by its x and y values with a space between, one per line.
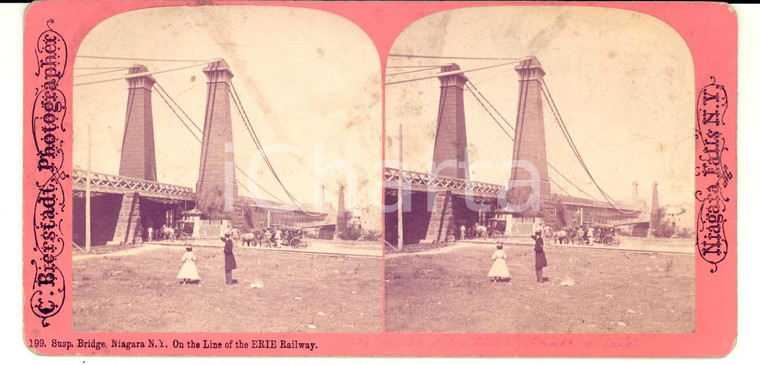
pixel 529 193
pixel 450 150
pixel 216 187
pixel 138 152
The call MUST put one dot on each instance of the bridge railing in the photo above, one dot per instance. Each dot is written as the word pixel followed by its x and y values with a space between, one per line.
pixel 425 181
pixel 420 181
pixel 573 200
pixel 119 184
pixel 281 207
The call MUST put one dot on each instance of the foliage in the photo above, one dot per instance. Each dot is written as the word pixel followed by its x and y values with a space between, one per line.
pixel 684 233
pixel 352 233
pixel 665 230
pixel 371 235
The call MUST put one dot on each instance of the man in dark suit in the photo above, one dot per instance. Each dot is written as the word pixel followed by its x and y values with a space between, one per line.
pixel 540 256
pixel 229 259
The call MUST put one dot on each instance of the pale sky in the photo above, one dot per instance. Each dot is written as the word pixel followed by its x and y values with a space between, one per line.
pixel 309 81
pixel 623 82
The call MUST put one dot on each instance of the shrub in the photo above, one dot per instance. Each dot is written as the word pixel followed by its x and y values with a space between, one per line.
pixel 352 233
pixel 371 235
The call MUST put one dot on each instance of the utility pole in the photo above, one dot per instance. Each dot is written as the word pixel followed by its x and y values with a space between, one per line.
pixel 87 232
pixel 400 189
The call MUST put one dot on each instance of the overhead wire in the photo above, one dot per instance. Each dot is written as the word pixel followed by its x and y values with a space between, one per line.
pixel 104 68
pixel 141 74
pixel 138 59
pixel 455 57
pixel 483 81
pixel 414 71
pixel 417 66
pixel 452 72
pixel 104 72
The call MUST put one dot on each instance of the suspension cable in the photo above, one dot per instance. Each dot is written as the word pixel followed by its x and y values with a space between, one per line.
pixel 176 114
pixel 252 133
pixel 199 140
pixel 468 84
pixel 559 187
pixel 558 119
pixel 489 104
pixel 178 107
pixel 257 184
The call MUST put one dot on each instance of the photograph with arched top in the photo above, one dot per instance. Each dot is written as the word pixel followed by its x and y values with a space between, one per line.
pixel 539 173
pixel 226 163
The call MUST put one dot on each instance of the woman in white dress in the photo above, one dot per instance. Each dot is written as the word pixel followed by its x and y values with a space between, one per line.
pixel 188 273
pixel 499 270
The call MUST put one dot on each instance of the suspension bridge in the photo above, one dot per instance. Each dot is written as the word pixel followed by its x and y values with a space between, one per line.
pixel 122 206
pixel 539 192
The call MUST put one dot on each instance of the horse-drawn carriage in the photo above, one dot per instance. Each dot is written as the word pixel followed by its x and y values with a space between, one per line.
pixel 585 235
pixel 496 227
pixel 292 237
pixel 184 230
pixel 268 237
pixel 605 234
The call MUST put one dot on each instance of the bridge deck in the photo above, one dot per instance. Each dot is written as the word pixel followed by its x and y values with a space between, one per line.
pixel 279 207
pixel 114 184
pixel 420 181
pixel 105 183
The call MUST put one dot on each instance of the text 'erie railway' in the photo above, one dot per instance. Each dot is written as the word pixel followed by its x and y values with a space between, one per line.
pixel 191 344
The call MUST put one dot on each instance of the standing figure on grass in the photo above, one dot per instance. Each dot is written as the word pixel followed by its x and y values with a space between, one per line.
pixel 229 259
pixel 188 274
pixel 499 270
pixel 540 257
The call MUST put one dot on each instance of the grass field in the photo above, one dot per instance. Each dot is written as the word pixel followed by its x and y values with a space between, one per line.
pixel 612 292
pixel 302 293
